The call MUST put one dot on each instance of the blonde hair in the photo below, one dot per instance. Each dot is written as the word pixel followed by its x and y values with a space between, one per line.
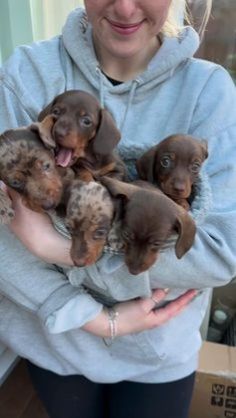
pixel 187 12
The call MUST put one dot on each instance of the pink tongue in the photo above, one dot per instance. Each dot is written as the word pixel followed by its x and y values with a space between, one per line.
pixel 64 157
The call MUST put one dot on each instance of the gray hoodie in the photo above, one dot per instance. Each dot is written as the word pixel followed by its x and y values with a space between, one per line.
pixel 42 306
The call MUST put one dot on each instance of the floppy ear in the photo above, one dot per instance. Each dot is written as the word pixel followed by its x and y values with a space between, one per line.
pixel 204 145
pixel 186 229
pixel 107 135
pixel 145 165
pixel 46 111
pixel 118 188
pixel 44 129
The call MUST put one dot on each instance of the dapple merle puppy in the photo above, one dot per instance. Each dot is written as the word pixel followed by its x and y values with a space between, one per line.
pixel 29 168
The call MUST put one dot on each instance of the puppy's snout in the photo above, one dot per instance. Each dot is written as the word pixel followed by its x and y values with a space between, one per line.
pixel 79 262
pixel 49 204
pixel 61 129
pixel 179 186
pixel 82 262
pixel 134 271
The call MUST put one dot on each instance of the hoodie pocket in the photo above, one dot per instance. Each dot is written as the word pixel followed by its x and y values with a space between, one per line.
pixel 139 348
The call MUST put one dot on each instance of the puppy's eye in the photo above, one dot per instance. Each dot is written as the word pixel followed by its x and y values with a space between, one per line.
pixel 165 161
pixel 155 246
pixel 46 166
pixel 85 121
pixel 100 233
pixel 127 235
pixel 195 167
pixel 56 111
pixel 69 228
pixel 16 184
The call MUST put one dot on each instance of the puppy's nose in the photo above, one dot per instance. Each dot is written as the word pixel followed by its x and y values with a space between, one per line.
pixel 61 130
pixel 134 270
pixel 48 204
pixel 79 263
pixel 179 186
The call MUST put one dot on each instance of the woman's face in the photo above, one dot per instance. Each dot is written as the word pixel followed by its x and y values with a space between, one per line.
pixel 123 28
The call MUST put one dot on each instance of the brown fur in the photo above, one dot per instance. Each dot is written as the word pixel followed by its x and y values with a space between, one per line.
pixel 27 167
pixel 89 214
pixel 148 220
pixel 82 134
pixel 174 165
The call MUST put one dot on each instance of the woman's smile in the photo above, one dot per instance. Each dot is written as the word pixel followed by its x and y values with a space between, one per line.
pixel 124 28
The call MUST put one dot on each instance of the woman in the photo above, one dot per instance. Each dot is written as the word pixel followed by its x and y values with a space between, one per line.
pixel 136 59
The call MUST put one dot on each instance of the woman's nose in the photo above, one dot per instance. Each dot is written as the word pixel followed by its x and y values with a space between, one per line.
pixel 124 9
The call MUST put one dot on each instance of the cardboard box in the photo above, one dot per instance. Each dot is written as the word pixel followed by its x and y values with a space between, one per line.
pixel 215 387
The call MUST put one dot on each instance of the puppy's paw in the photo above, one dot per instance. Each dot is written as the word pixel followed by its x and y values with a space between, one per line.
pixel 6 210
pixel 184 203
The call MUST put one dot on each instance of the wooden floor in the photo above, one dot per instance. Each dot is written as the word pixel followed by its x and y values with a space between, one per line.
pixel 18 398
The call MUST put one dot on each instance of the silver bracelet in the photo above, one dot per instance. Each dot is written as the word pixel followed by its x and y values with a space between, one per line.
pixel 112 318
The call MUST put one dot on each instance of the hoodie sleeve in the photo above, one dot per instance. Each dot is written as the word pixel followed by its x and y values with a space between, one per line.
pixel 27 82
pixel 24 279
pixel 211 261
pixel 42 288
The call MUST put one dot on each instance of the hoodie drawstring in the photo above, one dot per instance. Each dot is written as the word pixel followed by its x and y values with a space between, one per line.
pixel 134 85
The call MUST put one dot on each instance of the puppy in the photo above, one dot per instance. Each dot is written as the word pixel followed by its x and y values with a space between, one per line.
pixel 174 165
pixel 88 215
pixel 82 134
pixel 29 168
pixel 149 219
pixel 6 210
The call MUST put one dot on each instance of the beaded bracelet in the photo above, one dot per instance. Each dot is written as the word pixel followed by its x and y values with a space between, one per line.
pixel 112 318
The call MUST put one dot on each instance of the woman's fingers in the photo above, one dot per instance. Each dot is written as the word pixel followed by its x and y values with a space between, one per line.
pixel 174 307
pixel 15 198
pixel 157 297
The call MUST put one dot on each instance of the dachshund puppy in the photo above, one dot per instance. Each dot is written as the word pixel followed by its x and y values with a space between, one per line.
pixel 88 214
pixel 149 219
pixel 6 211
pixel 82 134
pixel 29 168
pixel 174 165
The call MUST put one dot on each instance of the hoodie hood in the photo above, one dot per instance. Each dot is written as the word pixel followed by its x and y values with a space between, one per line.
pixel 77 36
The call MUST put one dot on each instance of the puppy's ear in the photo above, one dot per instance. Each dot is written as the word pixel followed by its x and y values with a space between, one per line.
pixel 107 135
pixel 44 129
pixel 186 229
pixel 118 188
pixel 46 111
pixel 204 145
pixel 145 165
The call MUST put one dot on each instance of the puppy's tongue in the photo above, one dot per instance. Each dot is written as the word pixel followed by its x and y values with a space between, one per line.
pixel 64 157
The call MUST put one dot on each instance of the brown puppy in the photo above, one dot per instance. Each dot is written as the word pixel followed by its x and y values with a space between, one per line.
pixel 29 168
pixel 174 165
pixel 89 211
pixel 149 219
pixel 82 134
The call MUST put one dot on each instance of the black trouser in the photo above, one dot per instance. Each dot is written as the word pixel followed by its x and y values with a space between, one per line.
pixel 77 397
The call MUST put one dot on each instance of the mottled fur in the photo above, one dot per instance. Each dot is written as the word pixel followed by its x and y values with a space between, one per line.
pixel 6 211
pixel 27 167
pixel 88 218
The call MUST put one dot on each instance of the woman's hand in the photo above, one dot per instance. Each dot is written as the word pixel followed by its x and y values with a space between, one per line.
pixel 139 315
pixel 36 232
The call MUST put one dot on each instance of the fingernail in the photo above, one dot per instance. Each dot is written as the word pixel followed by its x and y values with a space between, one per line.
pixel 166 290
